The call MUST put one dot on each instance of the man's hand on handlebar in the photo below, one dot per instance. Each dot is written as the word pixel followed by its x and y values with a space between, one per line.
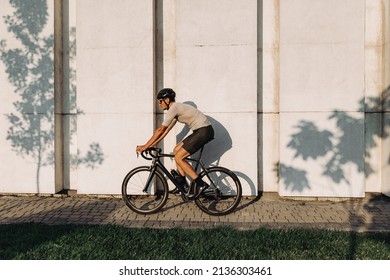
pixel 152 151
pixel 140 149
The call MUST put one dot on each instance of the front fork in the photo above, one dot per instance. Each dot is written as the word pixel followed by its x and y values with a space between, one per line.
pixel 150 178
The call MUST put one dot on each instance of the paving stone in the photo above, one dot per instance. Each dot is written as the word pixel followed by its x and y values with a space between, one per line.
pixel 367 215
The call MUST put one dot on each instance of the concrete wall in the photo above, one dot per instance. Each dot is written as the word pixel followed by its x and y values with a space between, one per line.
pixel 293 88
pixel 27 99
pixel 331 80
pixel 115 87
pixel 216 70
pixel 321 87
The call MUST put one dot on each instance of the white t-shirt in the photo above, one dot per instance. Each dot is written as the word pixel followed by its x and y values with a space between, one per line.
pixel 186 114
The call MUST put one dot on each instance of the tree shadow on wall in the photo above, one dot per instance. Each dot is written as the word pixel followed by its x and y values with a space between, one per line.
pixel 30 70
pixel 337 149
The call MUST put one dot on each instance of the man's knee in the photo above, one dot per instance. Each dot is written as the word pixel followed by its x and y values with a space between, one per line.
pixel 177 148
pixel 180 154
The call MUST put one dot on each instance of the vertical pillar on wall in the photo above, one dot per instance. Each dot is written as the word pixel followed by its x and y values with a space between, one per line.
pixel 158 44
pixel 69 108
pixel 269 107
pixel 377 81
pixel 165 52
pixel 58 91
pixel 374 84
pixel 156 51
pixel 260 128
pixel 385 152
pixel 165 45
pixel 62 99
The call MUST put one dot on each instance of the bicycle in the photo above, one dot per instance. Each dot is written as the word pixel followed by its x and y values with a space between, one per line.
pixel 145 188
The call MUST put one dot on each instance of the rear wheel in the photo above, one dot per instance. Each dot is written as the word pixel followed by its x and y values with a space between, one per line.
pixel 141 198
pixel 224 192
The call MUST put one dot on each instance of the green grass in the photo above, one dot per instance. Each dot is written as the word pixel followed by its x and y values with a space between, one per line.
pixel 105 242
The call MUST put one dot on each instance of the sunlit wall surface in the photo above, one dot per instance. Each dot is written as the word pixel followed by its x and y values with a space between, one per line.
pixel 297 91
pixel 27 96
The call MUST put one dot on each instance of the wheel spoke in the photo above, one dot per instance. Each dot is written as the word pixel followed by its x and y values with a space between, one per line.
pixel 224 193
pixel 150 201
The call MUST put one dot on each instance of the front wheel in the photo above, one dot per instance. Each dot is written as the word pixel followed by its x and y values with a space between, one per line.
pixel 144 191
pixel 224 192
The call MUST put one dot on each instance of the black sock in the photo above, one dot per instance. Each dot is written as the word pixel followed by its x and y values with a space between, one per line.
pixel 198 180
pixel 181 179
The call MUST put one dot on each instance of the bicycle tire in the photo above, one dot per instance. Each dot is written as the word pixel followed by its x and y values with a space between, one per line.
pixel 224 192
pixel 148 202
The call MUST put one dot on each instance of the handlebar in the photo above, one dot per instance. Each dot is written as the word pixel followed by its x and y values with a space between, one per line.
pixel 152 152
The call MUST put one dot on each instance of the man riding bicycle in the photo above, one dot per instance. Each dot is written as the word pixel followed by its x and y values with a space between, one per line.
pixel 203 133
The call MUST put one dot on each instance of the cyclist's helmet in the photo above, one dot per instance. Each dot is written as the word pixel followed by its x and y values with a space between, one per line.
pixel 166 93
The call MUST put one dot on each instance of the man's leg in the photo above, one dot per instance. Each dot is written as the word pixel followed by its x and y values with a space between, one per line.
pixel 183 166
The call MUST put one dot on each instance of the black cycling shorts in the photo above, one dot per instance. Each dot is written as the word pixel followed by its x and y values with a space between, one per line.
pixel 198 139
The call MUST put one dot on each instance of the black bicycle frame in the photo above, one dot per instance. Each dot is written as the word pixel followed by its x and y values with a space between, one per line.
pixel 157 164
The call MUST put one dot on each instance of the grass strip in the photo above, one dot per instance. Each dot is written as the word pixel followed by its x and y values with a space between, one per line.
pixel 35 241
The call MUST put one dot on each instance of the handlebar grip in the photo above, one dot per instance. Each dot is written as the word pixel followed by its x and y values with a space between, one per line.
pixel 150 151
pixel 144 153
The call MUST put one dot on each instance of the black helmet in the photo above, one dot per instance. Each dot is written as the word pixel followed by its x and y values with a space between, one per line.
pixel 166 93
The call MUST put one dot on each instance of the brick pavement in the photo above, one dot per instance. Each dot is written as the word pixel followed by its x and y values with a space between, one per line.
pixel 371 214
